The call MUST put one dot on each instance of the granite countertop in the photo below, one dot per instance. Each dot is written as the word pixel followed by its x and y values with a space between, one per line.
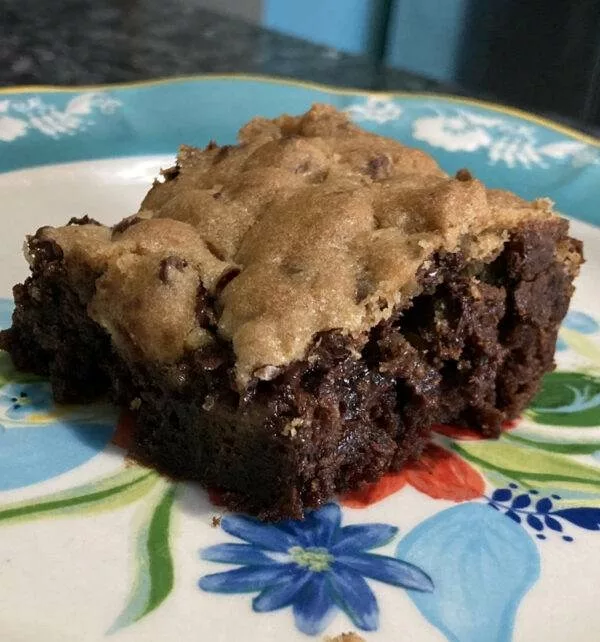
pixel 75 42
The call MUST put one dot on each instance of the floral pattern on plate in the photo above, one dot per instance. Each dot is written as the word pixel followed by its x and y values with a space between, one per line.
pixel 319 567
pixel 38 438
pixel 314 566
pixel 458 129
pixel 18 117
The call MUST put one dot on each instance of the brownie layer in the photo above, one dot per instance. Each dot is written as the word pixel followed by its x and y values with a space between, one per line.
pixel 470 349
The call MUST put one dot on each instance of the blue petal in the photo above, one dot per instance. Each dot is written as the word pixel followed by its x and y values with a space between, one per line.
pixel 535 522
pixel 502 494
pixel 561 345
pixel 363 537
pixel 313 606
pixel 514 516
pixel 585 517
pixel 298 530
pixel 544 505
pixel 267 536
pixel 580 322
pixel 15 389
pixel 388 570
pixel 6 309
pixel 244 554
pixel 553 524
pixel 482 565
pixel 247 579
pixel 30 398
pixel 280 595
pixel 323 525
pixel 352 594
pixel 521 501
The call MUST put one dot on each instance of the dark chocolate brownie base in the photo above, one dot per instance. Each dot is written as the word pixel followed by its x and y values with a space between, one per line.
pixel 468 351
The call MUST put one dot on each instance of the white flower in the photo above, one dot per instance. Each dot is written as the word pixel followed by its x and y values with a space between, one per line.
pixel 580 153
pixel 11 128
pixel 37 115
pixel 562 150
pixel 454 134
pixel 81 105
pixel 505 141
pixel 586 156
pixel 378 110
pixel 106 104
pixel 84 104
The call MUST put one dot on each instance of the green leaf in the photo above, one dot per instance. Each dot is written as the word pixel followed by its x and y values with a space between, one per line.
pixel 154 573
pixel 555 447
pixel 568 399
pixel 579 501
pixel 530 466
pixel 8 373
pixel 106 493
pixel 582 344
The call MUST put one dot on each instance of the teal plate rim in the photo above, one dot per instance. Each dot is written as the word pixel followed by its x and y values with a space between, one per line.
pixel 288 81
pixel 503 146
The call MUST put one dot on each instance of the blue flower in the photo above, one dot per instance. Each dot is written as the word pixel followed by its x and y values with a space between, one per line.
pixel 519 507
pixel 40 440
pixel 580 322
pixel 6 309
pixel 22 400
pixel 313 566
pixel 561 345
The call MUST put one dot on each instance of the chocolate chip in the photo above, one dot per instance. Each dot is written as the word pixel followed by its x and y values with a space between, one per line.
pixel 170 173
pixel 292 269
pixel 364 287
pixel 226 279
pixel 125 224
pixel 208 359
pixel 45 250
pixel 83 220
pixel 464 175
pixel 209 403
pixel 205 312
pixel 214 250
pixel 212 144
pixel 430 275
pixel 379 167
pixel 165 270
pixel 222 154
pixel 178 375
pixel 318 177
pixel 302 168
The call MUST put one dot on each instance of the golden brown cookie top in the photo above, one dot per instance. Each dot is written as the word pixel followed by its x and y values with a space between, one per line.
pixel 314 223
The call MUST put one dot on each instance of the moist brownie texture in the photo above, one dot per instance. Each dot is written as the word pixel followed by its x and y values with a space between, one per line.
pixel 287 317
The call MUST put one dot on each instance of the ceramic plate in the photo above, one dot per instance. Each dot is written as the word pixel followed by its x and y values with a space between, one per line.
pixel 480 541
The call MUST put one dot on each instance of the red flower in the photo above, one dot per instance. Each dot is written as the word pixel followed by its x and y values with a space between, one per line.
pixel 438 473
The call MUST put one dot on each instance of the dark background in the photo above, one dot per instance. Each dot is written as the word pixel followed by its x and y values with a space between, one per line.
pixel 542 55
